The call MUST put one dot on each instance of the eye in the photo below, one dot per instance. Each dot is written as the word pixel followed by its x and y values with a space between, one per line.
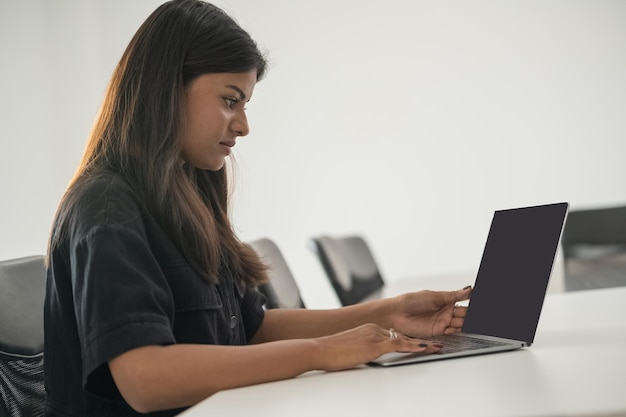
pixel 231 101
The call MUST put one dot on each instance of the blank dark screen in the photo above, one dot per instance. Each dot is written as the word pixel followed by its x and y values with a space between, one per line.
pixel 514 271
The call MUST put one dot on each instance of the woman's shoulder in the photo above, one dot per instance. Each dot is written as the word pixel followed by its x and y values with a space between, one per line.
pixel 103 198
pixel 102 184
pixel 103 187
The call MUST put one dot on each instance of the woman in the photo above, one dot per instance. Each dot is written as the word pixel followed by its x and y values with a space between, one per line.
pixel 151 303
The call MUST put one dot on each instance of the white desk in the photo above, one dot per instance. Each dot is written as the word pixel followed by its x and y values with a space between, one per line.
pixel 577 367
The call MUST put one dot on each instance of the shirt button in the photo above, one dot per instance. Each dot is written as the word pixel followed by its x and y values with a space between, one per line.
pixel 233 322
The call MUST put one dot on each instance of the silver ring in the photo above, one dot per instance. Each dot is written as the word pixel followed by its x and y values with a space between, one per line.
pixel 392 334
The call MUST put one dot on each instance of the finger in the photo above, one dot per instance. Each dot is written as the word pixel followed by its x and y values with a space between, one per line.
pixel 463 294
pixel 459 312
pixel 410 344
pixel 450 330
pixel 456 323
pixel 458 317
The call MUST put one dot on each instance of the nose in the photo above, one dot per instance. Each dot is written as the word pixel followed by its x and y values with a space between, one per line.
pixel 240 124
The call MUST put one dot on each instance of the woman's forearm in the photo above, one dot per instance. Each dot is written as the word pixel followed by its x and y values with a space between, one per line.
pixel 281 324
pixel 164 377
pixel 299 340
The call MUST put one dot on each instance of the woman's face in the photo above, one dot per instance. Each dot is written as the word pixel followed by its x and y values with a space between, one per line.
pixel 214 116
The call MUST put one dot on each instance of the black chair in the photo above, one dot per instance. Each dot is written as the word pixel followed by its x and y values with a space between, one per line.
pixel 350 267
pixel 22 293
pixel 282 290
pixel 594 248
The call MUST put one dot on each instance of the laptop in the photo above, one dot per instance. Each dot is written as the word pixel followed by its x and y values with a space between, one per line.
pixel 510 287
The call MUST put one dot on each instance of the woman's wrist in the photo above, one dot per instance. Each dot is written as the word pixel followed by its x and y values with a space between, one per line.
pixel 384 312
pixel 394 310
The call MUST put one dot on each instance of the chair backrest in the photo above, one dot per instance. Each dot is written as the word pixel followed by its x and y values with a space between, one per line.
pixel 350 267
pixel 282 290
pixel 594 248
pixel 22 294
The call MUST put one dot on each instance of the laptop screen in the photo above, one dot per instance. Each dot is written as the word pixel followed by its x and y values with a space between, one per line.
pixel 514 271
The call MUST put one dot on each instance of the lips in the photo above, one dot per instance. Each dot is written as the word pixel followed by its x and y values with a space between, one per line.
pixel 227 147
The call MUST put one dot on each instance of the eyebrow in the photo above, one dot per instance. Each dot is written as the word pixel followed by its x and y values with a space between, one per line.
pixel 242 96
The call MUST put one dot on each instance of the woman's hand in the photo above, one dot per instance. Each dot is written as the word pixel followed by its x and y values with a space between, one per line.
pixel 430 313
pixel 365 343
pixel 350 336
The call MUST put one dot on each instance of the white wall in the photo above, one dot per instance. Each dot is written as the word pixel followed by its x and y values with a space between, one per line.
pixel 408 123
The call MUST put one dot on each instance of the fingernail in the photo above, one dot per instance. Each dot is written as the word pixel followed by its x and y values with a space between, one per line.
pixel 438 345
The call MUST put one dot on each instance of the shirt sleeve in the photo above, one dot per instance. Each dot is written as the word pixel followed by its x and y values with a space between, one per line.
pixel 252 312
pixel 122 299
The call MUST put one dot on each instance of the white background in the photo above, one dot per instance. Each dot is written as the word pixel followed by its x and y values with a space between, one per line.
pixel 406 121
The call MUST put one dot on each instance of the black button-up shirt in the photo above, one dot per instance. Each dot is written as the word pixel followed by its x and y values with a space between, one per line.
pixel 117 283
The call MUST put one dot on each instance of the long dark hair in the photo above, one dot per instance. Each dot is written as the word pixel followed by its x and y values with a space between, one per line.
pixel 138 133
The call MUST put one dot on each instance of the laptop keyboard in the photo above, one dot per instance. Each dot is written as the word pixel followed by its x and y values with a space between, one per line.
pixel 457 343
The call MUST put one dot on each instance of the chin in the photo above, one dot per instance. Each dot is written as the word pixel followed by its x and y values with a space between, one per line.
pixel 211 168
pixel 208 166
